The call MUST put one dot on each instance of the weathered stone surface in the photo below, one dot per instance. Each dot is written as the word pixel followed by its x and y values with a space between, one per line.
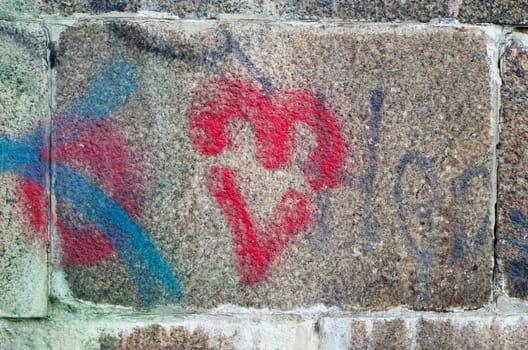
pixel 24 116
pixel 219 332
pixel 90 6
pixel 509 12
pixel 512 208
pixel 476 330
pixel 424 11
pixel 12 9
pixel 473 11
pixel 428 332
pixel 274 165
pixel 157 337
pixel 192 9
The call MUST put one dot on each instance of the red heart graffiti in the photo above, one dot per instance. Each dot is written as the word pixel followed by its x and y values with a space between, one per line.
pixel 272 118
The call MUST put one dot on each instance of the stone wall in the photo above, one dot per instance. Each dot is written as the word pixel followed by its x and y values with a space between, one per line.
pixel 263 174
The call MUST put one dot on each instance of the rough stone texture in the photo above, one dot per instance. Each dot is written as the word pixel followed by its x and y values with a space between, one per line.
pixel 472 330
pixel 24 116
pixel 512 213
pixel 455 331
pixel 12 9
pixel 156 337
pixel 509 12
pixel 221 332
pixel 473 11
pixel 382 201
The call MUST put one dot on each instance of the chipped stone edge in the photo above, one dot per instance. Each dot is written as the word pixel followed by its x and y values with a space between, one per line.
pixel 496 38
pixel 325 26
pixel 57 285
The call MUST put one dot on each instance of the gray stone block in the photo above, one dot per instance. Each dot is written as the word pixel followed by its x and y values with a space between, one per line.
pixel 512 222
pixel 274 165
pixel 473 11
pixel 213 331
pixel 476 331
pixel 24 156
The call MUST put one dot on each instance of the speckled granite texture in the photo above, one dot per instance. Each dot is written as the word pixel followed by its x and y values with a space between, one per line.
pixel 512 207
pixel 257 165
pixel 192 332
pixel 24 124
pixel 156 337
pixel 13 9
pixel 473 332
pixel 472 11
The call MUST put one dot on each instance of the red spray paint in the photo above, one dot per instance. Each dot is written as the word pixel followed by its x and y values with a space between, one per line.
pixel 102 153
pixel 273 119
pixel 256 250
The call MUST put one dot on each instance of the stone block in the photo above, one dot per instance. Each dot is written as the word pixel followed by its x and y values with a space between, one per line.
pixel 475 331
pixel 67 7
pixel 221 332
pixel 473 11
pixel 274 165
pixel 24 155
pixel 512 208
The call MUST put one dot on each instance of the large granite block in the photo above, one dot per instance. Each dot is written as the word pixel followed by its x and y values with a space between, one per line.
pixel 274 165
pixel 24 156
pixel 192 332
pixel 472 11
pixel 475 331
pixel 512 208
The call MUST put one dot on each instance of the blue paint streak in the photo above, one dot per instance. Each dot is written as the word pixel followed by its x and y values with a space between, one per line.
pixel 234 46
pixel 518 276
pixel 109 91
pixel 149 268
pixel 147 265
pixel 460 189
pixel 427 253
pixel 20 159
pixel 518 220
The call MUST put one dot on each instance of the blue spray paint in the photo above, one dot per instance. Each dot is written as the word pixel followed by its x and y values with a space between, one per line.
pixel 21 159
pixel 460 189
pixel 141 256
pixel 425 254
pixel 234 46
pixel 518 220
pixel 518 268
pixel 369 224
pixel 109 91
pixel 517 276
